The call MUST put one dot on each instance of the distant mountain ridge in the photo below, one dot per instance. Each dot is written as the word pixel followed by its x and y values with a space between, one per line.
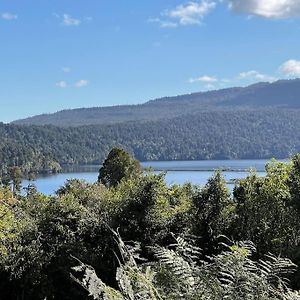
pixel 279 94
pixel 258 121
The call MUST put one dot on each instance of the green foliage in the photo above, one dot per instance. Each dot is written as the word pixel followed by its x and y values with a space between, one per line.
pixel 133 282
pixel 117 166
pixel 294 181
pixel 212 211
pixel 272 223
pixel 178 274
pixel 148 210
pixel 8 228
pixel 40 236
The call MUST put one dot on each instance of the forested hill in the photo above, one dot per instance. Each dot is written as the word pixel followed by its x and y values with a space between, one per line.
pixel 259 121
pixel 280 94
pixel 211 135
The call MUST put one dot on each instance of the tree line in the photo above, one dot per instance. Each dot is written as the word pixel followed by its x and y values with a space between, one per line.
pixel 131 236
pixel 244 134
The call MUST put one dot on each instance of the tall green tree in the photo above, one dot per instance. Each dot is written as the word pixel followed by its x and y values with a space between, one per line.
pixel 118 165
pixel 212 212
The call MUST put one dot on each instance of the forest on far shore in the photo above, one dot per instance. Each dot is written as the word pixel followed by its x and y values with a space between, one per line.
pixel 244 134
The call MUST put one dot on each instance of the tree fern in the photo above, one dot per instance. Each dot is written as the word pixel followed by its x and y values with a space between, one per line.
pixel 134 282
pixel 179 273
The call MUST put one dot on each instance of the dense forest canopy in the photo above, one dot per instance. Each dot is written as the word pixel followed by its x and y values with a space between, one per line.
pixel 137 238
pixel 242 134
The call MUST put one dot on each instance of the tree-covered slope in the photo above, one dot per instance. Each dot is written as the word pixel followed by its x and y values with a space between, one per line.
pixel 211 135
pixel 284 93
pixel 167 107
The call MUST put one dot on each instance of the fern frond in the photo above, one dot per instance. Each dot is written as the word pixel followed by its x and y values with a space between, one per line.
pixel 275 269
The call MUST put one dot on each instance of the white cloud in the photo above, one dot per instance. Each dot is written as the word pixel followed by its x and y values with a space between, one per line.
pixel 66 69
pixel 61 84
pixel 205 78
pixel 70 21
pixel 191 13
pixel 290 68
pixel 254 75
pixel 81 83
pixel 8 16
pixel 276 9
pixel 213 82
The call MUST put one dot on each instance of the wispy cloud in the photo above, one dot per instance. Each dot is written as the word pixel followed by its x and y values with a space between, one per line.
pixel 191 13
pixel 78 84
pixel 290 68
pixel 9 16
pixel 275 9
pixel 81 83
pixel 61 84
pixel 205 78
pixel 213 82
pixel 256 76
pixel 70 21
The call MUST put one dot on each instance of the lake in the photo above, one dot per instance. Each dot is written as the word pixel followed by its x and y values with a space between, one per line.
pixel 178 172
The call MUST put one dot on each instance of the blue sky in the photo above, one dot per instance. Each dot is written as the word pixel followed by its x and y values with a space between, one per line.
pixel 63 54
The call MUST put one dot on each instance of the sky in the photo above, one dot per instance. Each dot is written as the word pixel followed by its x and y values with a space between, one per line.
pixel 61 54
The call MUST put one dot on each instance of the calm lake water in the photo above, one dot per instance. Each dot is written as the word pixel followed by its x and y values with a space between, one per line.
pixel 178 172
